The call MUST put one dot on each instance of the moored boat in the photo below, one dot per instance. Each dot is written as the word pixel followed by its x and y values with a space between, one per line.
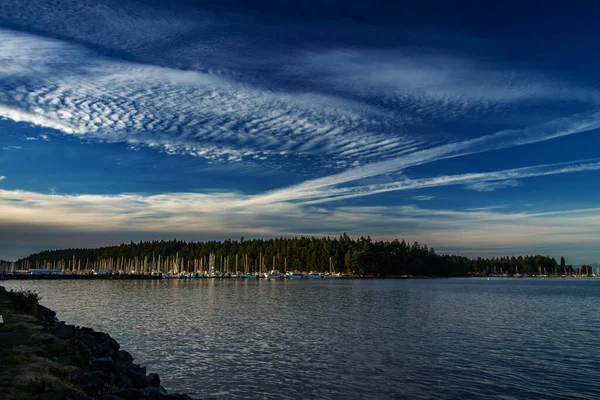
pixel 274 275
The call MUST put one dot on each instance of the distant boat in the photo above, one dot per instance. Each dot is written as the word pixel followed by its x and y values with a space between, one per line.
pixel 331 274
pixel 250 275
pixel 294 275
pixel 517 274
pixel 274 275
pixel 314 275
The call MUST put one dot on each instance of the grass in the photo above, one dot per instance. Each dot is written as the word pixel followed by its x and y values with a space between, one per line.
pixel 35 369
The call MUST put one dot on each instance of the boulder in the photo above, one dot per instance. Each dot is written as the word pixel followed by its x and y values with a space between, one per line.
pixel 176 397
pixel 137 378
pixel 128 394
pixel 123 356
pixel 154 380
pixel 151 393
pixel 65 332
pixel 111 396
pixel 94 383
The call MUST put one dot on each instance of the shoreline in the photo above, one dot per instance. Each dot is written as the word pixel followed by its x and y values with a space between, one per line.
pixel 150 277
pixel 49 359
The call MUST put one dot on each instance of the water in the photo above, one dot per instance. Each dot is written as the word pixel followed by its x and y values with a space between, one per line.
pixel 401 339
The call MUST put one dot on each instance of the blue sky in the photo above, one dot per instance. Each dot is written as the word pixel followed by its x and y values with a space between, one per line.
pixel 472 128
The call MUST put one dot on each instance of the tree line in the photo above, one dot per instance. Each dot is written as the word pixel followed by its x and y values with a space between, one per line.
pixel 361 256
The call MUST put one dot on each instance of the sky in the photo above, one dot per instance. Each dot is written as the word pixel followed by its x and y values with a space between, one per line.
pixel 471 127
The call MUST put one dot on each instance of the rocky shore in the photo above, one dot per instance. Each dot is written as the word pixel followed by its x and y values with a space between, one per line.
pixel 82 363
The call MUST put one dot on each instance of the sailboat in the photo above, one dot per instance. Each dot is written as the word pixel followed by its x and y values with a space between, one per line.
pixel 314 275
pixel 517 274
pixel 274 275
pixel 331 274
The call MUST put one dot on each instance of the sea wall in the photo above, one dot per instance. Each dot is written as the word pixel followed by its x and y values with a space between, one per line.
pixel 98 367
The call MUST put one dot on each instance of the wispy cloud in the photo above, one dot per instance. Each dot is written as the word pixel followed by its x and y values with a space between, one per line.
pixel 435 85
pixel 12 148
pixel 423 198
pixel 490 186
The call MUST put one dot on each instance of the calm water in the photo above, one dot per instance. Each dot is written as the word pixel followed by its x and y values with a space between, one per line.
pixel 410 339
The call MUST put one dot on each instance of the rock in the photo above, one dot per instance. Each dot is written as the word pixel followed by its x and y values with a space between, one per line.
pixel 111 396
pixel 151 393
pixel 176 397
pixel 154 380
pixel 110 346
pixel 94 384
pixel 71 394
pixel 123 356
pixel 45 312
pixel 65 332
pixel 128 394
pixel 85 331
pixel 139 379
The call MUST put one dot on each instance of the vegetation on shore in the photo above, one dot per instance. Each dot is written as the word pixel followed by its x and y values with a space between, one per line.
pixel 362 256
pixel 32 367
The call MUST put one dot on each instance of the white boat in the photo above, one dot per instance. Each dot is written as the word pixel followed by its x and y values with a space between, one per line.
pixel 274 275
pixel 517 274
pixel 294 275
pixel 331 274
pixel 314 275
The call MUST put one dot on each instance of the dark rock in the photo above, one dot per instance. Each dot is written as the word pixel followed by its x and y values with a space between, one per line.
pixel 176 397
pixel 94 384
pixel 139 379
pixel 128 394
pixel 123 355
pixel 85 330
pixel 65 332
pixel 71 394
pixel 151 393
pixel 111 396
pixel 110 346
pixel 103 364
pixel 45 312
pixel 154 380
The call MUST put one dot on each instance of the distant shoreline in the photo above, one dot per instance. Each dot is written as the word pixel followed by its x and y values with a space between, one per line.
pixel 151 277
